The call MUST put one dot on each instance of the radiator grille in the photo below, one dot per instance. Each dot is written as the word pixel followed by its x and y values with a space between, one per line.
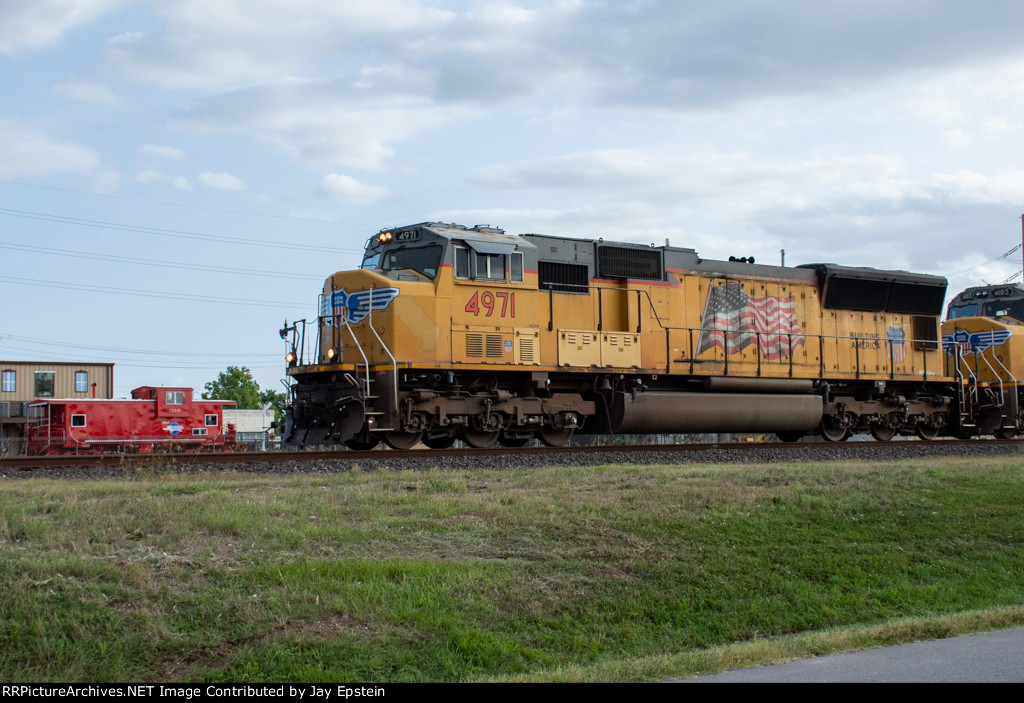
pixel 495 345
pixel 526 350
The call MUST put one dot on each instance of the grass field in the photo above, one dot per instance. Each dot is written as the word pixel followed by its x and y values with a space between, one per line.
pixel 606 574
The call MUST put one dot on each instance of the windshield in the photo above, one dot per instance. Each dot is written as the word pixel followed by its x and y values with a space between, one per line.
pixel 963 311
pixel 425 260
pixel 1007 311
pixel 371 257
pixel 1003 309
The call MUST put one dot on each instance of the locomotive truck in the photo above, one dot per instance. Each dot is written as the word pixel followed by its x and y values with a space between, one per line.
pixel 448 332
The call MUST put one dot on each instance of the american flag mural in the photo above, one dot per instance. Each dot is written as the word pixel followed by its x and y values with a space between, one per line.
pixel 732 321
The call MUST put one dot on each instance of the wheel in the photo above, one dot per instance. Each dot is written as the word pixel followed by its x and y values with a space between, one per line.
pixel 1005 433
pixel 440 442
pixel 480 439
pixel 793 436
pixel 512 442
pixel 831 430
pixel 926 432
pixel 402 440
pixel 555 438
pixel 882 433
pixel 363 444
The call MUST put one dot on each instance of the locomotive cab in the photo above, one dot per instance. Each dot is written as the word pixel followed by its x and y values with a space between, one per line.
pixel 1004 303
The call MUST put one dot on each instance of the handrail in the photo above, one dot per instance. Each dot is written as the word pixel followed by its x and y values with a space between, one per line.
pixel 366 362
pixel 394 362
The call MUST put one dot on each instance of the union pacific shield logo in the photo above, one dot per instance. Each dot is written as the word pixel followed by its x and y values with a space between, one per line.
pixel 346 308
pixel 895 347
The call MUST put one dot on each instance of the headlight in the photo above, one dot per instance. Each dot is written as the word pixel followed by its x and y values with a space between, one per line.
pixel 290 357
pixel 331 353
pixel 384 237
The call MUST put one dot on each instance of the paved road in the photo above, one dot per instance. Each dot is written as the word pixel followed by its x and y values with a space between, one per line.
pixel 992 657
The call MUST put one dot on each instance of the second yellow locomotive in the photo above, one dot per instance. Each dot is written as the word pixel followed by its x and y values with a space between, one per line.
pixel 450 332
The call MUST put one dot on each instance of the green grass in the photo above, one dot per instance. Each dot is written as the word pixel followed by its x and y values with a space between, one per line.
pixel 603 574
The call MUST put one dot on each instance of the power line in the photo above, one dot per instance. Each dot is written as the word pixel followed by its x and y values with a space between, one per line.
pixel 151 294
pixel 178 234
pixel 1004 255
pixel 161 264
pixel 138 363
pixel 960 244
pixel 122 350
pixel 188 207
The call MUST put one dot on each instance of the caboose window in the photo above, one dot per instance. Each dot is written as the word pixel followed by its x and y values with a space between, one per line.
pixel 211 420
pixel 175 398
pixel 198 431
pixel 78 420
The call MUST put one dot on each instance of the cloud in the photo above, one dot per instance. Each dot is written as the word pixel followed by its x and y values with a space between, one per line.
pixel 168 153
pixel 238 42
pixel 37 24
pixel 696 56
pixel 345 189
pixel 316 215
pixel 27 152
pixel 88 91
pixel 321 124
pixel 221 181
pixel 151 176
pixel 106 181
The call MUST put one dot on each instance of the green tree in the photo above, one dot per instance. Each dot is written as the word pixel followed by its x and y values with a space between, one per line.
pixel 235 384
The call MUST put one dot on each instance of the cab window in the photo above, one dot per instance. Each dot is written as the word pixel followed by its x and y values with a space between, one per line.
pixel 462 261
pixel 486 266
pixel 490 266
pixel 515 267
pixel 425 260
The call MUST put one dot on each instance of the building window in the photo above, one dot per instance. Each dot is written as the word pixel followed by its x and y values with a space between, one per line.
pixel 81 381
pixel 78 420
pixel 175 398
pixel 44 384
pixel 211 420
pixel 197 431
pixel 10 384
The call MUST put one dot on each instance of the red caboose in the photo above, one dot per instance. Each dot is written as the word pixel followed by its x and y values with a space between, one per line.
pixel 156 419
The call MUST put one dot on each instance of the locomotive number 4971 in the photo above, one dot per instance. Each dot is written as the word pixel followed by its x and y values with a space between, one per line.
pixel 489 303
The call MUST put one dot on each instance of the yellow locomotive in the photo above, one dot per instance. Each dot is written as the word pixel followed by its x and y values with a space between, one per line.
pixel 450 332
pixel 983 337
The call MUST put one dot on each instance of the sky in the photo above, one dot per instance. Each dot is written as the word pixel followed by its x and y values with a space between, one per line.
pixel 178 177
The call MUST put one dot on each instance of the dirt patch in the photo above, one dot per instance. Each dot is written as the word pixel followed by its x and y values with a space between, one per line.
pixel 217 657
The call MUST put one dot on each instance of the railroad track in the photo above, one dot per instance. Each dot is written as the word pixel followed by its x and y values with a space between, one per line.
pixel 344 459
